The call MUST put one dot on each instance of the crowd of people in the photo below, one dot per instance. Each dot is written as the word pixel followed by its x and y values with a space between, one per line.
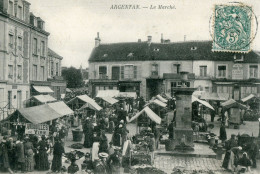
pixel 238 159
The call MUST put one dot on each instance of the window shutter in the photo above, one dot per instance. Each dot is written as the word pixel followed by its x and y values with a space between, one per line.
pixel 135 72
pixel 122 72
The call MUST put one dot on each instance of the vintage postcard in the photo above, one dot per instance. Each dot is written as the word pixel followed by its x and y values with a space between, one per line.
pixel 130 86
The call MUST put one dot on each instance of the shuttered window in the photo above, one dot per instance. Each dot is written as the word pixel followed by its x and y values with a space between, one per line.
pixel 122 72
pixel 135 72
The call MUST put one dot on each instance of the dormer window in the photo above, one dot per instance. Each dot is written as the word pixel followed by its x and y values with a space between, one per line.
pixel 156 49
pixel 238 59
pixel 193 48
pixel 130 55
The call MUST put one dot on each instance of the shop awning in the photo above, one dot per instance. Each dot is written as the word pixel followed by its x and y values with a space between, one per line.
pixel 161 98
pixel 44 98
pixel 43 89
pixel 248 98
pixel 157 102
pixel 212 96
pixel 39 114
pixel 149 113
pixel 110 100
pixel 89 102
pixel 61 108
pixel 202 102
pixel 127 95
pixel 107 93
pixel 232 104
pixel 68 90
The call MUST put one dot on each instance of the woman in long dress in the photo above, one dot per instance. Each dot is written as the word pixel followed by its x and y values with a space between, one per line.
pixel 29 155
pixel 58 150
pixel 43 156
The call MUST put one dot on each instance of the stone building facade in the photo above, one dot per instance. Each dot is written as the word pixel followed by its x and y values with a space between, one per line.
pixel 23 54
pixel 150 68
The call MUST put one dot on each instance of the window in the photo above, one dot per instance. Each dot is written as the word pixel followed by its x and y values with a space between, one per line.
pixel 19 99
pixel 34 72
pixel 20 12
pixel 42 73
pixel 155 70
pixel 176 68
pixel 11 40
pixel 203 71
pixel 20 40
pixel 253 71
pixel 102 72
pixel 57 69
pixel 19 76
pixel 9 99
pixel 115 73
pixel 11 8
pixel 10 72
pixel 129 72
pixel 52 68
pixel 42 48
pixel 35 46
pixel 222 70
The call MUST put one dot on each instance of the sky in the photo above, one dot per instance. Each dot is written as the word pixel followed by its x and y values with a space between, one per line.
pixel 73 24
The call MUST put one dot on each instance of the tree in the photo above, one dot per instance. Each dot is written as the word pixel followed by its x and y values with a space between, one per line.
pixel 73 77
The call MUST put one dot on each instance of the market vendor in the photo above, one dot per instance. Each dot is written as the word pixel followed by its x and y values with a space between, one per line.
pixel 114 162
pixel 101 166
pixel 87 163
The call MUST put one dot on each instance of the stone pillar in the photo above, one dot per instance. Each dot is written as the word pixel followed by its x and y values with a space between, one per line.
pixel 183 132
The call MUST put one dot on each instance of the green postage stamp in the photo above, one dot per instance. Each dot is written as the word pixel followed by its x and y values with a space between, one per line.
pixel 232 28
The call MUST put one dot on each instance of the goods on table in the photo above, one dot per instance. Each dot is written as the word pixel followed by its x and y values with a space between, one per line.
pixel 77 146
pixel 146 169
pixel 139 158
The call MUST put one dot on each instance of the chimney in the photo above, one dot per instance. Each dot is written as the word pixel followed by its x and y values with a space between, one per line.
pixel 184 38
pixel 139 41
pixel 26 6
pixel 167 41
pixel 97 40
pixel 162 41
pixel 149 39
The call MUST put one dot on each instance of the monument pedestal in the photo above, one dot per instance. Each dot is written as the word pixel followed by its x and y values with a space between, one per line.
pixel 183 133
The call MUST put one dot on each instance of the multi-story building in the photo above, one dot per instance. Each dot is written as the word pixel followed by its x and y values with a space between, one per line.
pixel 150 68
pixel 58 84
pixel 23 53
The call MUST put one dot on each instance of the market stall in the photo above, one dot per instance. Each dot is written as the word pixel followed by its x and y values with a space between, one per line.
pixel 161 98
pixel 39 100
pixel 233 109
pixel 253 102
pixel 36 120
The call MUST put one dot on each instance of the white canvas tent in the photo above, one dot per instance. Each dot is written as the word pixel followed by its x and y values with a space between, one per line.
pixel 149 113
pixel 107 93
pixel 202 102
pixel 157 102
pixel 161 98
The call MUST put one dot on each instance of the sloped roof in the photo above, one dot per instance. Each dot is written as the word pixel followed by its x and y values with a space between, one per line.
pixel 153 116
pixel 44 98
pixel 53 54
pixel 142 51
pixel 61 108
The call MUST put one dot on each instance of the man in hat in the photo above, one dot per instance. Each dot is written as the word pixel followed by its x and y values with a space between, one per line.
pixel 114 161
pixel 101 164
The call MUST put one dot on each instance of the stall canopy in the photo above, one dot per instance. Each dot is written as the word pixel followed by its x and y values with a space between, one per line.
pixel 161 98
pixel 127 95
pixel 61 108
pixel 43 89
pixel 202 102
pixel 44 98
pixel 149 113
pixel 232 104
pixel 110 100
pixel 157 102
pixel 68 90
pixel 89 102
pixel 38 114
pixel 107 93
pixel 212 96
pixel 251 96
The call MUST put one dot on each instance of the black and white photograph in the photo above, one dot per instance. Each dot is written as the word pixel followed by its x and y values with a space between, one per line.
pixel 129 86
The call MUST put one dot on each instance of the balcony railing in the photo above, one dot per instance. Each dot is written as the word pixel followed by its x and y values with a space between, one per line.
pixel 103 76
